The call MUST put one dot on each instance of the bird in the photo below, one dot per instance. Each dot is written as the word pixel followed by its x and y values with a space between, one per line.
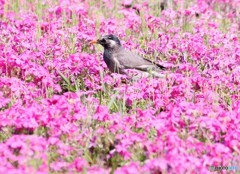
pixel 120 60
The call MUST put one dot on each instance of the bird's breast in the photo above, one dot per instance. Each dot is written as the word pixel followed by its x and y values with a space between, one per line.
pixel 112 62
pixel 107 57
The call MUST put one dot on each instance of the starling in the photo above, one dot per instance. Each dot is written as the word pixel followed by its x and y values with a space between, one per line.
pixel 119 59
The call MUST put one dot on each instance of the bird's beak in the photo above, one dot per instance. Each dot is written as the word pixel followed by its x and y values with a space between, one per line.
pixel 94 42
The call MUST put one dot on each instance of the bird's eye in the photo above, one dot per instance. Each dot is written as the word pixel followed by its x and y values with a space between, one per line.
pixel 109 37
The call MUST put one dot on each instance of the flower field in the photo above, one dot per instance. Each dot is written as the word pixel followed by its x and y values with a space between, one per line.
pixel 63 111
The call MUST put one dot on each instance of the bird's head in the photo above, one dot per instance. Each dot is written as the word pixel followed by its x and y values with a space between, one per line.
pixel 108 42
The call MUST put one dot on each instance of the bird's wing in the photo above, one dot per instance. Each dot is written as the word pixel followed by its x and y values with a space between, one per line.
pixel 130 60
pixel 156 64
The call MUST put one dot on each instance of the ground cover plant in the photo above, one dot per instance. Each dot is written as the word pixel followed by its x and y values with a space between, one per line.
pixel 62 111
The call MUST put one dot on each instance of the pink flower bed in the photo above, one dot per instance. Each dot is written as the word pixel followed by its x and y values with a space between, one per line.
pixel 61 110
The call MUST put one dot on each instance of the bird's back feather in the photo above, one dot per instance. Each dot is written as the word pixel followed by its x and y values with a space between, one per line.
pixel 130 60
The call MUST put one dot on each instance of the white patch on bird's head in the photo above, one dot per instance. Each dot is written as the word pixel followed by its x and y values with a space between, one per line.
pixel 112 43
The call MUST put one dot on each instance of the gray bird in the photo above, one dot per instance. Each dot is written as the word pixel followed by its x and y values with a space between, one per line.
pixel 119 60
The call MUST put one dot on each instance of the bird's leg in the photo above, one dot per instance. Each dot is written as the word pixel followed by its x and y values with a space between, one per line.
pixel 116 69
